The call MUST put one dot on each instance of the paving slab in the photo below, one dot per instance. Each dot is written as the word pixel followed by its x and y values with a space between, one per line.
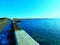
pixel 25 39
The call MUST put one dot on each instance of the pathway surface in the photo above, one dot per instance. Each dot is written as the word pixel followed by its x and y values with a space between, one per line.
pixel 24 39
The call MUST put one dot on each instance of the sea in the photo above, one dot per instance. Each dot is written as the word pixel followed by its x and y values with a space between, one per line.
pixel 45 31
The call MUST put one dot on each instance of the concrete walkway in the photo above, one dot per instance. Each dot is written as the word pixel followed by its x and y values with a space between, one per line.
pixel 24 39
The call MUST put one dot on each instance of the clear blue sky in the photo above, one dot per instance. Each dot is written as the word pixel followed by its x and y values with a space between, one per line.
pixel 29 8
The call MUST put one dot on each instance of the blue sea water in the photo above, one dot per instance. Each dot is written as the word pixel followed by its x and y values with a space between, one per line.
pixel 44 31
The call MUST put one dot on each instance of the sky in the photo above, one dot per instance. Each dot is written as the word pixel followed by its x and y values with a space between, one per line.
pixel 30 8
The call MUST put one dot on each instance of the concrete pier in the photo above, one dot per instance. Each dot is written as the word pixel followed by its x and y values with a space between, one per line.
pixel 24 39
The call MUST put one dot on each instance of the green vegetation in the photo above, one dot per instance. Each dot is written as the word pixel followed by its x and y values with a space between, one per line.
pixel 16 27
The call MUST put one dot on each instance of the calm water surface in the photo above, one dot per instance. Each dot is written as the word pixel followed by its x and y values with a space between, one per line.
pixel 44 31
